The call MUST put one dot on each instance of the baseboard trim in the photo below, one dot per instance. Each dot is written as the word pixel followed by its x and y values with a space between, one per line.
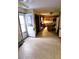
pixel 21 42
pixel 59 37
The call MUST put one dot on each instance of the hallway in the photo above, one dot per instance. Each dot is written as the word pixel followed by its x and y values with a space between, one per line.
pixel 46 46
pixel 46 33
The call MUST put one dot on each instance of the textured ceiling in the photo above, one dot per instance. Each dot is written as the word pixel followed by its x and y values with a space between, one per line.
pixel 43 6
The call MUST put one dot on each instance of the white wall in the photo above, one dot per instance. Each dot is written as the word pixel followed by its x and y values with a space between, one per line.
pixel 60 28
pixel 57 21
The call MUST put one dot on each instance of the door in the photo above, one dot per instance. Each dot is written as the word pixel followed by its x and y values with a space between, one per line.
pixel 29 18
pixel 23 25
pixel 19 32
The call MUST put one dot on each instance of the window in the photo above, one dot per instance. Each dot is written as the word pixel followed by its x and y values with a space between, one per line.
pixel 22 23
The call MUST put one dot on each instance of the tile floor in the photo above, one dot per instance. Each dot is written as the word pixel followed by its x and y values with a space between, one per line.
pixel 46 33
pixel 46 46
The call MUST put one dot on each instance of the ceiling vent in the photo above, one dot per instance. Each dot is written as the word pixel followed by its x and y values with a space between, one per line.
pixel 24 3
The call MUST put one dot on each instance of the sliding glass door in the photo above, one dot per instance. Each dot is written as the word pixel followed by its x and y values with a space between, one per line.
pixel 23 25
